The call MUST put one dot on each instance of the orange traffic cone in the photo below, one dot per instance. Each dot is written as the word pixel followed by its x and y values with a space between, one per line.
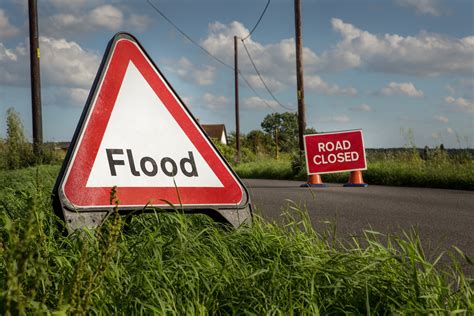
pixel 314 181
pixel 355 180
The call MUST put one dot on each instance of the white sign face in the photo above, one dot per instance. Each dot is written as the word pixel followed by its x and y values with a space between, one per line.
pixel 143 145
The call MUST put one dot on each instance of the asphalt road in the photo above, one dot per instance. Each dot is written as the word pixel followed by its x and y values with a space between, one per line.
pixel 442 217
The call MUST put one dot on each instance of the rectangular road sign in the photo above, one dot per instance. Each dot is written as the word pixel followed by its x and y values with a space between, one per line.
pixel 335 152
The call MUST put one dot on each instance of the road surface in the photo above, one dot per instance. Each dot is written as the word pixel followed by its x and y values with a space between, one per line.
pixel 442 217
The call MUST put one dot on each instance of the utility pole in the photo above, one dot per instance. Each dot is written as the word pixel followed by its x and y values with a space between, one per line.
pixel 237 119
pixel 299 75
pixel 35 76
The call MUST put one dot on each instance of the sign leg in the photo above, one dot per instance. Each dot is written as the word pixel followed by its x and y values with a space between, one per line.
pixel 235 217
pixel 75 220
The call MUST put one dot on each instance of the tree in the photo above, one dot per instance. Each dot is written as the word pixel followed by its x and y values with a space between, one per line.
pixel 258 142
pixel 283 128
pixel 18 150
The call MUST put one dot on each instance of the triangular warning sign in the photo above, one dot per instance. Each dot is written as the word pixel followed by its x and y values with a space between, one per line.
pixel 136 134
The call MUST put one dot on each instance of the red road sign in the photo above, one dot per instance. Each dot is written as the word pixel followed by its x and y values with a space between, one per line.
pixel 335 152
pixel 136 134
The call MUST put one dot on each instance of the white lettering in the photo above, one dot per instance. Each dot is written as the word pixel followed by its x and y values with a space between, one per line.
pixel 329 146
pixel 346 144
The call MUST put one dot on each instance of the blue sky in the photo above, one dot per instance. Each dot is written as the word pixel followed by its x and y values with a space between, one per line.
pixel 383 66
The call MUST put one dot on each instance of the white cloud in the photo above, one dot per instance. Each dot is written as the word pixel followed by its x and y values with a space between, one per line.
pixel 450 131
pixel 363 108
pixel 214 101
pixel 13 65
pixel 272 83
pixel 422 55
pixel 107 16
pixel 6 29
pixel 339 119
pixel 63 63
pixel 404 88
pixel 315 83
pixel 259 103
pixel 104 16
pixel 139 22
pixel 436 136
pixel 460 104
pixel 442 119
pixel 74 4
pixel 64 97
pixel 188 72
pixel 66 63
pixel 275 61
pixel 431 7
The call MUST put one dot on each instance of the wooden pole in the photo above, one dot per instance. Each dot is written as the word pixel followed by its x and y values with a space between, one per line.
pixel 299 75
pixel 237 119
pixel 35 76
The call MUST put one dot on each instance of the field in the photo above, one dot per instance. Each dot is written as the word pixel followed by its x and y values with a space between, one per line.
pixel 398 168
pixel 180 264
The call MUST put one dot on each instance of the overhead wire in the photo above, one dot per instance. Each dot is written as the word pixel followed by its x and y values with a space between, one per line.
pixel 263 81
pixel 258 21
pixel 187 36
pixel 212 55
pixel 255 66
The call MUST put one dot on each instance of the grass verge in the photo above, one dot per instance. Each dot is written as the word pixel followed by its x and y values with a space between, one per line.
pixel 448 175
pixel 179 264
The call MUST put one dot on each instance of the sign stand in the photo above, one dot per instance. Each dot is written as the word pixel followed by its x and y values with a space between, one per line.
pixel 335 152
pixel 137 135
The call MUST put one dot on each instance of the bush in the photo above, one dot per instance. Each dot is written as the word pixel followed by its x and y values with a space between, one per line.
pixel 18 153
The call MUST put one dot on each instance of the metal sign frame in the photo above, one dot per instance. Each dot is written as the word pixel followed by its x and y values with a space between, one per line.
pixel 76 217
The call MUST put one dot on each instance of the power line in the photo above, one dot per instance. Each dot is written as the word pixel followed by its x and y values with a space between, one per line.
pixel 263 81
pixel 187 36
pixel 255 92
pixel 210 54
pixel 258 22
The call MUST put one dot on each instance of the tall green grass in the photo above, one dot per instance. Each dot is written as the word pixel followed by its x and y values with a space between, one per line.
pixel 399 169
pixel 182 264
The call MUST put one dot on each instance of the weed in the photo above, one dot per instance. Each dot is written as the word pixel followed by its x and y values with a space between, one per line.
pixel 187 264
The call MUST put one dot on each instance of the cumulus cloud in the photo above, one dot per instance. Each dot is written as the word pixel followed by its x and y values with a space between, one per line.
pixel 74 4
pixel 64 64
pixel 315 83
pixel 450 131
pixel 460 104
pixel 442 119
pixel 338 119
pixel 426 54
pixel 189 72
pixel 363 108
pixel 107 16
pixel 7 30
pixel 139 22
pixel 431 7
pixel 104 16
pixel 64 97
pixel 214 101
pixel 259 103
pixel 275 61
pixel 404 88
